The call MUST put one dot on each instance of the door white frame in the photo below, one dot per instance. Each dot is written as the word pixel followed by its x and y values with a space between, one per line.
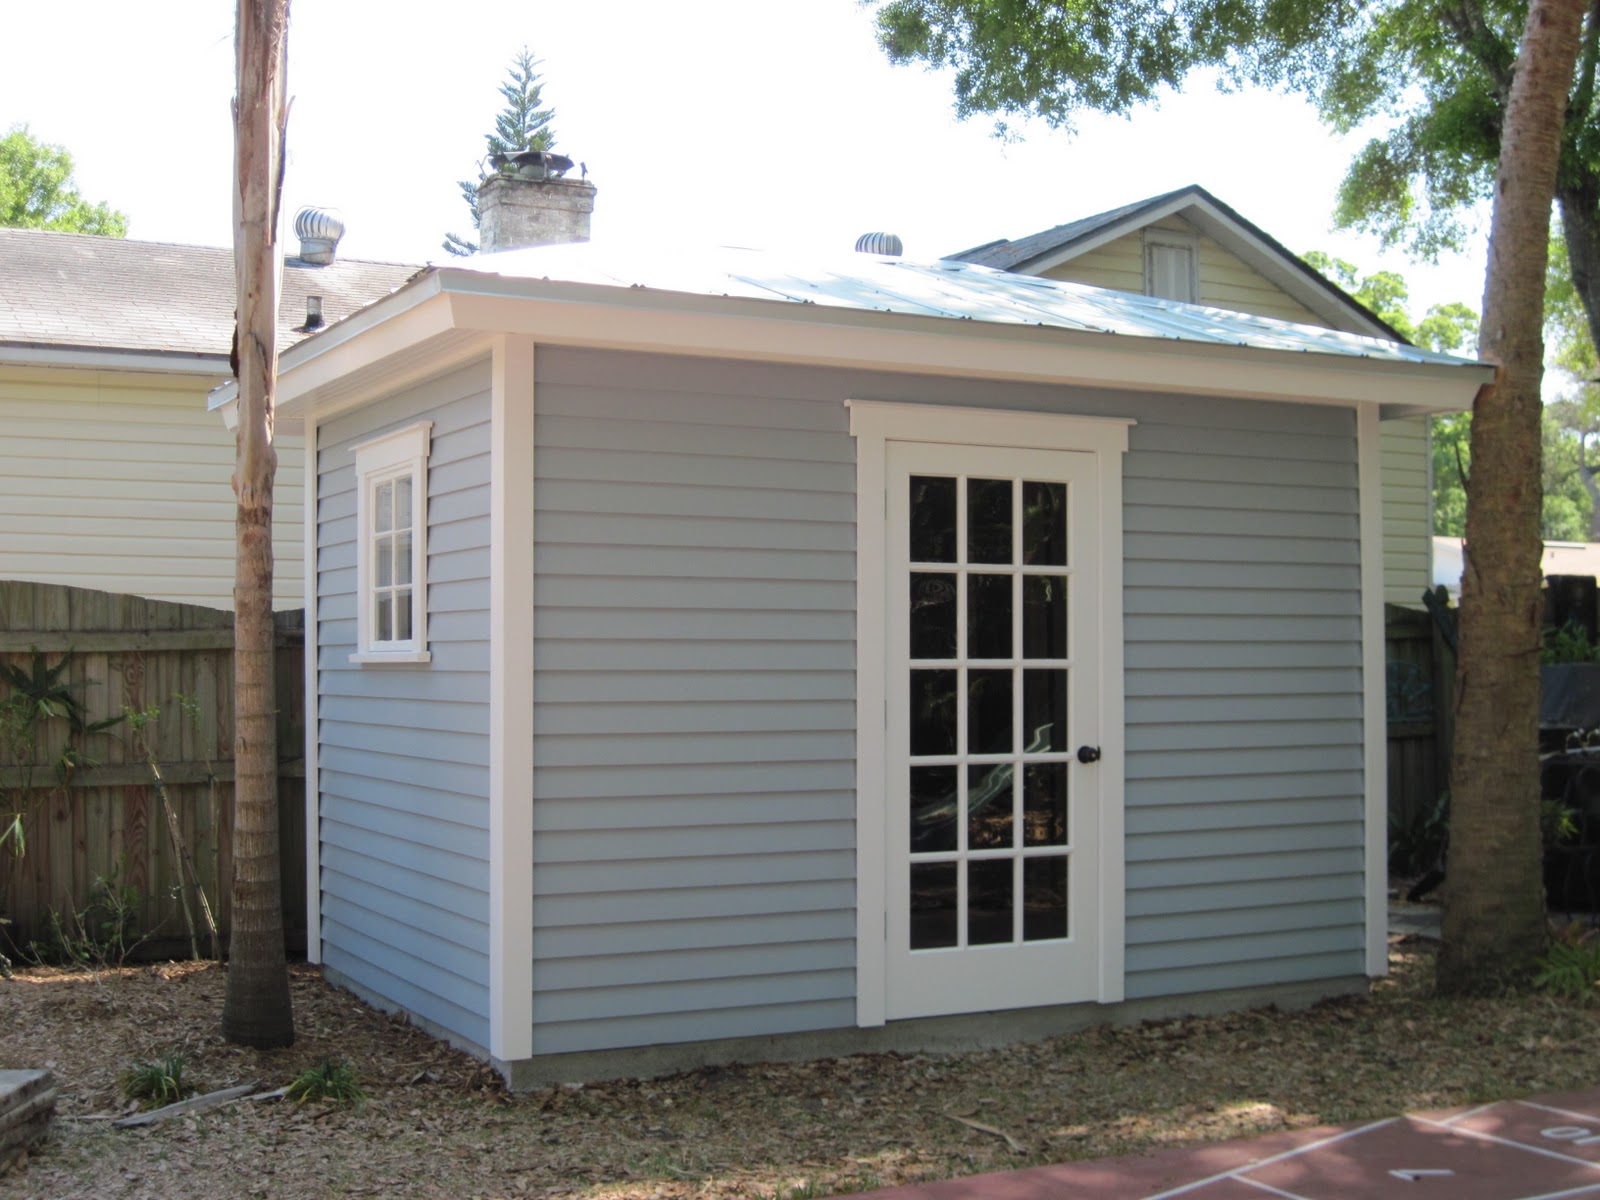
pixel 874 424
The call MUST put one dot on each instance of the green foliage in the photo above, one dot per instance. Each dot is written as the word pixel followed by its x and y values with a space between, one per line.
pixel 99 935
pixel 1052 59
pixel 1569 644
pixel 1414 844
pixel 1570 967
pixel 332 1080
pixel 155 1084
pixel 1452 461
pixel 37 192
pixel 38 702
pixel 521 125
pixel 1558 824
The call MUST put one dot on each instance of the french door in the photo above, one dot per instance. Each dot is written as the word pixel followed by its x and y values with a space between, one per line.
pixel 993 727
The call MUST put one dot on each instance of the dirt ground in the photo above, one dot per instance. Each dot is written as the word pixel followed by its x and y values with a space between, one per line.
pixel 437 1124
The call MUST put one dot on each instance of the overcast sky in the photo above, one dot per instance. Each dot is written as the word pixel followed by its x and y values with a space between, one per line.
pixel 742 122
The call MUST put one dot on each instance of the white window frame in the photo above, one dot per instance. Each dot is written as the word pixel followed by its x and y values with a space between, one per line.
pixel 396 455
pixel 874 424
pixel 1174 240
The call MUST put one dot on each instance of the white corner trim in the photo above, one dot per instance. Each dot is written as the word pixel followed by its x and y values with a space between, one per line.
pixel 311 683
pixel 874 424
pixel 511 579
pixel 872 714
pixel 1374 711
pixel 1112 773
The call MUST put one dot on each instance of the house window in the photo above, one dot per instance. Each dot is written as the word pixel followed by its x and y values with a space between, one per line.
pixel 392 547
pixel 1170 266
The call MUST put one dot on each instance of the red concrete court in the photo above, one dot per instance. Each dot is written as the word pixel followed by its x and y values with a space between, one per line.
pixel 1537 1149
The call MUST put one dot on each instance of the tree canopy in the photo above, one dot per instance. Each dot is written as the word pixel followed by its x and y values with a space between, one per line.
pixel 37 190
pixel 1436 73
pixel 521 125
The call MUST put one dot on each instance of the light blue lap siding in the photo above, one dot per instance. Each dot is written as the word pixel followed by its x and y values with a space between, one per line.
pixel 403 750
pixel 694 693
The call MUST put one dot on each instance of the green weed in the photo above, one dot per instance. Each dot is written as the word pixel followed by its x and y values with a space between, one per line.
pixel 1571 966
pixel 330 1080
pixel 155 1084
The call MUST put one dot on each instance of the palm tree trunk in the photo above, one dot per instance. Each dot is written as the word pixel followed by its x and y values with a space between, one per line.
pixel 1494 925
pixel 256 1011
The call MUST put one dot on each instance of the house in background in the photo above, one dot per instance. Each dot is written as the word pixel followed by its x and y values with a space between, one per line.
pixel 724 657
pixel 1189 246
pixel 112 473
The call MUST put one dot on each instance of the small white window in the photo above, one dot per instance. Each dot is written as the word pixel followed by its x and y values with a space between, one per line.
pixel 392 547
pixel 1169 266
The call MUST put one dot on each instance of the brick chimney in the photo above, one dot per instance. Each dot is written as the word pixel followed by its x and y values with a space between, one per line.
pixel 514 212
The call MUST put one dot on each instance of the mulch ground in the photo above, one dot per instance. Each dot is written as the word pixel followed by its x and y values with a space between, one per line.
pixel 436 1123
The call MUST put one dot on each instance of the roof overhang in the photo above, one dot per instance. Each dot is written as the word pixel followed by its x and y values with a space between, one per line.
pixel 1247 242
pixel 451 316
pixel 100 358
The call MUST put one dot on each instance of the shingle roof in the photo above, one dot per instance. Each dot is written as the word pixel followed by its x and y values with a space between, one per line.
pixel 1006 255
pixel 71 290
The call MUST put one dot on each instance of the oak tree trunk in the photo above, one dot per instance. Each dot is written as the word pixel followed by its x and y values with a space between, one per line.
pixel 1494 923
pixel 256 1011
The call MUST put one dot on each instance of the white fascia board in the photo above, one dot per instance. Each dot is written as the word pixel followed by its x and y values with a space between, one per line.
pixel 643 319
pixel 398 319
pixel 1131 223
pixel 86 358
pixel 1268 261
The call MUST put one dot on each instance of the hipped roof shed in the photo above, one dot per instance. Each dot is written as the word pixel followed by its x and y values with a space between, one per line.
pixel 734 655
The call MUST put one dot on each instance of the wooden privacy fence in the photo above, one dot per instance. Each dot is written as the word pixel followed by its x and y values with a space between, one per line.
pixel 102 822
pixel 1420 684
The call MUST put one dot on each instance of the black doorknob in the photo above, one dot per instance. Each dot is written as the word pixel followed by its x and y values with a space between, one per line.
pixel 1088 754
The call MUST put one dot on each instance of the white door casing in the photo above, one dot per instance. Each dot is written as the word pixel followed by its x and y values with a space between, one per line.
pixel 981 809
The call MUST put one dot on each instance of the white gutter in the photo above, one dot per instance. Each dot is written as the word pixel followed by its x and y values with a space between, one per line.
pixel 88 358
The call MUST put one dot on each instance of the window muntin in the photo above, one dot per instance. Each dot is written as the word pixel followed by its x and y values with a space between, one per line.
pixel 988 666
pixel 392 507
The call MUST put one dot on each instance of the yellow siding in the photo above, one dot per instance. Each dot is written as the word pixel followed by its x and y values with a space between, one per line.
pixel 120 481
pixel 1225 281
pixel 1407 514
pixel 1118 265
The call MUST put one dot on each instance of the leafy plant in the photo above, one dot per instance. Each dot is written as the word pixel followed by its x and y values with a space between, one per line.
pixel 156 1083
pixel 1571 966
pixel 1569 644
pixel 98 936
pixel 1415 843
pixel 332 1080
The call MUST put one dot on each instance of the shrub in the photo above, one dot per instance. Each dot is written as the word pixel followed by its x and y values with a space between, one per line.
pixel 156 1083
pixel 331 1080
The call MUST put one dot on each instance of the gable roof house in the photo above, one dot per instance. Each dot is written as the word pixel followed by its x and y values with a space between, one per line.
pixel 1189 246
pixel 726 656
pixel 112 473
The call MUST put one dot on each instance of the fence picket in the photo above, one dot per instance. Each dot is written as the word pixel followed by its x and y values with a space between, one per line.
pixel 104 822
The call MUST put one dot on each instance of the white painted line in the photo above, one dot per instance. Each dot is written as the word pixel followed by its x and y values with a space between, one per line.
pixel 1237 1172
pixel 1531 1149
pixel 1412 1174
pixel 1588 1189
pixel 1267 1187
pixel 1471 1112
pixel 1592 1118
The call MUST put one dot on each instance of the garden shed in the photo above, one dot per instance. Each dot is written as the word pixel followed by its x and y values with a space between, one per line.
pixel 725 655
